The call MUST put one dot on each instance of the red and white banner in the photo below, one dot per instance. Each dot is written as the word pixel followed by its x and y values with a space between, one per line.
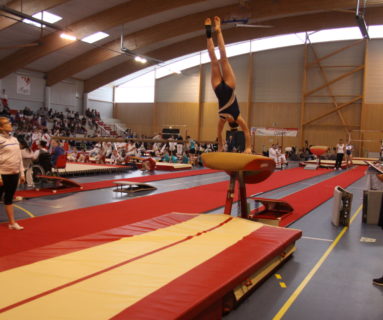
pixel 274 132
pixel 23 85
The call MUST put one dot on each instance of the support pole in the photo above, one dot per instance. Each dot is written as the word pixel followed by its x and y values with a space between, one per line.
pixel 242 195
pixel 230 193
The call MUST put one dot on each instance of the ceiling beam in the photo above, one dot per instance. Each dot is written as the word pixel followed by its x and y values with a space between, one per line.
pixel 134 41
pixel 123 13
pixel 328 20
pixel 29 7
pixel 281 26
pixel 260 10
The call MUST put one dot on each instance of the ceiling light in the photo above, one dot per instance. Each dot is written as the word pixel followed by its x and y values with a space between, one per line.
pixel 140 59
pixel 95 37
pixel 44 16
pixel 68 36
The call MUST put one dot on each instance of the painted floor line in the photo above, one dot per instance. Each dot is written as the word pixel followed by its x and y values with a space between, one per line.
pixel 319 239
pixel 313 271
pixel 24 210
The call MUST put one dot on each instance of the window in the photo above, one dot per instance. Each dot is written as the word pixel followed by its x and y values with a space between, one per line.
pixel 139 89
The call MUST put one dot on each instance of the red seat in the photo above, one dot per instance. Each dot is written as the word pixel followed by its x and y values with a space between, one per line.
pixel 60 163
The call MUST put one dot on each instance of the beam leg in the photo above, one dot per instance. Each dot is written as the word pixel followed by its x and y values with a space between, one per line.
pixel 230 193
pixel 242 195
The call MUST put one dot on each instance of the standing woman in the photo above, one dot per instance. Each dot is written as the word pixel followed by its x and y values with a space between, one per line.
pixel 11 169
pixel 349 149
pixel 223 83
pixel 340 149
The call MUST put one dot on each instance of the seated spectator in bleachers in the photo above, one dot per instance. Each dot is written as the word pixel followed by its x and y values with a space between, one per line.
pixel 185 158
pixel 165 157
pixel 130 148
pixel 116 158
pixel 173 157
pixel 72 154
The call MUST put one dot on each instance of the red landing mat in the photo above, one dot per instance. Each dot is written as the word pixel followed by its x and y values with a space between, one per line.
pixel 175 266
pixel 110 183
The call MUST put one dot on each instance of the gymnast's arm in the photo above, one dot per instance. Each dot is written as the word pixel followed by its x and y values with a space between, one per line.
pixel 242 123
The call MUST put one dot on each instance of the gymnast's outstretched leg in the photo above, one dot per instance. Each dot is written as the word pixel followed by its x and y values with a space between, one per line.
pixel 216 76
pixel 223 82
pixel 227 71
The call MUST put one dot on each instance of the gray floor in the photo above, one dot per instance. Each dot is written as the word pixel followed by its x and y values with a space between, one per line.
pixel 340 289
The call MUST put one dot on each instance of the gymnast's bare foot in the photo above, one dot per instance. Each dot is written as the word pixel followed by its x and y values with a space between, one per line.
pixel 217 23
pixel 207 22
pixel 248 151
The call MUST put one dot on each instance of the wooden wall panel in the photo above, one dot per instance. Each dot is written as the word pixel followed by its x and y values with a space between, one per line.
pixel 137 116
pixel 278 75
pixel 178 115
pixel 374 73
pixel 373 120
pixel 279 115
pixel 209 121
pixel 350 113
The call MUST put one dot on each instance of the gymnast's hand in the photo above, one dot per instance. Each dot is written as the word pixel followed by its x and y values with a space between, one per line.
pixel 22 179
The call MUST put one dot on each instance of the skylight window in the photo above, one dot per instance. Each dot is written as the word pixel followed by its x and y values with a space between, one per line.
pixel 95 37
pixel 338 34
pixel 176 66
pixel 44 16
pixel 140 89
pixel 277 42
pixel 375 32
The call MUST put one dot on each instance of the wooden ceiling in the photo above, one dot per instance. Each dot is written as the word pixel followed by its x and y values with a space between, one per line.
pixel 161 29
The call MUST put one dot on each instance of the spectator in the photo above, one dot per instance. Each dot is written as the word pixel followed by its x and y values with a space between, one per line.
pixel 11 169
pixel 57 151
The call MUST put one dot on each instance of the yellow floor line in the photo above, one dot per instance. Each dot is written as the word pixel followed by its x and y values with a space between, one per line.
pixel 25 210
pixel 282 284
pixel 306 280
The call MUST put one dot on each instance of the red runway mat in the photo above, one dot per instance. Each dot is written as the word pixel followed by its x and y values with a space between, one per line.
pixel 56 227
pixel 308 199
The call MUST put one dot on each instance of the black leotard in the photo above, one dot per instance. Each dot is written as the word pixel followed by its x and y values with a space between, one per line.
pixel 224 94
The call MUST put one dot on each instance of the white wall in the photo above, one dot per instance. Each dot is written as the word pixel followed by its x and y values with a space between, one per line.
pixel 349 59
pixel 105 108
pixel 67 94
pixel 63 95
pixel 278 75
pixel 240 68
pixel 179 87
pixel 18 101
pixel 102 94
pixel 102 100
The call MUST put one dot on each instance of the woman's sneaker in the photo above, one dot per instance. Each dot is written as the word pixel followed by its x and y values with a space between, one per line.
pixel 378 282
pixel 15 226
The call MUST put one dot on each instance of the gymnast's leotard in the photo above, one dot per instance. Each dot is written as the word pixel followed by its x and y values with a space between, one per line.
pixel 227 101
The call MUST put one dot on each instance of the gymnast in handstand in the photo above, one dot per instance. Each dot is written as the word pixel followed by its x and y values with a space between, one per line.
pixel 223 82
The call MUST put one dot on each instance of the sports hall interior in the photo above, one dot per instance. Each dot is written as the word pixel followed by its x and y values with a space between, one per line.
pixel 179 250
